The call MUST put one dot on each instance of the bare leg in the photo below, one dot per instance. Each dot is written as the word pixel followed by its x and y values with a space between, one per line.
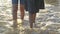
pixel 14 12
pixel 22 11
pixel 32 19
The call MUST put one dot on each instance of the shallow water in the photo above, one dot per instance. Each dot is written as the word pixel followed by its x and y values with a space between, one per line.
pixel 47 21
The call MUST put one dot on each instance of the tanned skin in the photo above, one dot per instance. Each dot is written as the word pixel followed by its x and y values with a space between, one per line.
pixel 14 12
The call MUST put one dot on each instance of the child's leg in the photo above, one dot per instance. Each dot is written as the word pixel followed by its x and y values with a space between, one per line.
pixel 22 11
pixel 32 19
pixel 14 12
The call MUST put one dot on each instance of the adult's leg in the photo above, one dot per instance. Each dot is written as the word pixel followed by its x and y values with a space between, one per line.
pixel 32 19
pixel 14 12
